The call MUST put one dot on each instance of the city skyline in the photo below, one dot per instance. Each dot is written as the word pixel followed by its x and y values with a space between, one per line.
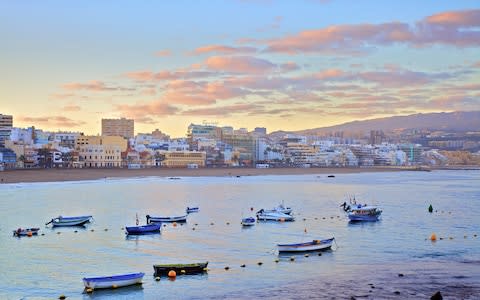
pixel 274 64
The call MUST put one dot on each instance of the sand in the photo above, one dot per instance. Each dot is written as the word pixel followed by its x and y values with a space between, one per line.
pixel 52 175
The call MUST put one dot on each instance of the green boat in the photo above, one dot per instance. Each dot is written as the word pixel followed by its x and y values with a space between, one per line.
pixel 180 269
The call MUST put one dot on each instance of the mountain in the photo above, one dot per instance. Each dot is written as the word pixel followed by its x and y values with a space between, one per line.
pixel 454 122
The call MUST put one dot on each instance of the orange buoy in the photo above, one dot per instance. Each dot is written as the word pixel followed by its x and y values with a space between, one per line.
pixel 433 237
pixel 172 273
pixel 282 219
pixel 174 224
pixel 29 234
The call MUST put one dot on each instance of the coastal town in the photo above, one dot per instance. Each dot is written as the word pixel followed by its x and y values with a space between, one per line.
pixel 209 145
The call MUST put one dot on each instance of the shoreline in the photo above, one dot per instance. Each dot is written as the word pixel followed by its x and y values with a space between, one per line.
pixel 59 175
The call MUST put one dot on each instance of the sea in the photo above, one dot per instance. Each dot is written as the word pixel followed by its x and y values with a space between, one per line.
pixel 393 258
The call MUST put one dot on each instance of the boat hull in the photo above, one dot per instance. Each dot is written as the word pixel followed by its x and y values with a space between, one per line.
pixel 70 221
pixel 145 229
pixel 360 218
pixel 273 216
pixel 179 219
pixel 191 210
pixel 180 269
pixel 111 282
pixel 314 245
pixel 248 222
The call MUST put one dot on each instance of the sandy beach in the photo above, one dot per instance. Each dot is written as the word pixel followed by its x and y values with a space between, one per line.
pixel 52 175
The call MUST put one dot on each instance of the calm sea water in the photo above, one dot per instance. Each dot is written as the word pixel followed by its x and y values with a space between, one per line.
pixel 366 262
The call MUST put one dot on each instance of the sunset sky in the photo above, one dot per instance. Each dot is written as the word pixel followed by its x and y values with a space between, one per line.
pixel 65 65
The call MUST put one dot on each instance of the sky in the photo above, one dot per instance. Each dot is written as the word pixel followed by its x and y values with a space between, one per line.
pixel 283 65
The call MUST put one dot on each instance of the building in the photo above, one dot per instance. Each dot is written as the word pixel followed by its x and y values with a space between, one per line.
pixel 376 137
pixel 183 159
pixel 66 139
pixel 118 127
pixel 205 131
pixel 82 140
pixel 99 156
pixel 6 125
pixel 244 145
pixel 8 159
pixel 262 131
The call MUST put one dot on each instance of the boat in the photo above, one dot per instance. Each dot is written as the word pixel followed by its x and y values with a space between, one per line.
pixel 180 219
pixel 180 269
pixel 250 221
pixel 144 229
pixel 281 208
pixel 192 209
pixel 307 246
pixel 112 282
pixel 360 212
pixel 268 215
pixel 331 176
pixel 26 231
pixel 69 221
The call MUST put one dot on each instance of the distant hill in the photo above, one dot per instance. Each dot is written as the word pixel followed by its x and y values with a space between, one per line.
pixel 454 122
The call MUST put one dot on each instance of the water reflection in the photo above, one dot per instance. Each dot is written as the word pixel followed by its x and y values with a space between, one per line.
pixel 132 291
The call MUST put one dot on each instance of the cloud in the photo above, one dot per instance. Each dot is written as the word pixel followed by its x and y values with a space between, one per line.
pixel 239 64
pixel 93 86
pixel 465 18
pixel 221 111
pixel 458 28
pixel 289 66
pixel 163 53
pixel 220 49
pixel 52 121
pixel 71 107
pixel 142 110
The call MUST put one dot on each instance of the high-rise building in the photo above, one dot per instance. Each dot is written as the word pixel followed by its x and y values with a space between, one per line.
pixel 118 127
pixel 6 125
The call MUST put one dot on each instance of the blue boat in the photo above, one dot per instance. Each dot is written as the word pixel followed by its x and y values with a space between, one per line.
pixel 144 229
pixel 112 282
pixel 192 209
pixel 250 221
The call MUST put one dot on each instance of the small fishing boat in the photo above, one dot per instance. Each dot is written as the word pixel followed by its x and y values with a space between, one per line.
pixel 250 221
pixel 26 231
pixel 192 209
pixel 144 229
pixel 112 282
pixel 268 215
pixel 180 269
pixel 307 246
pixel 69 221
pixel 180 219
pixel 364 213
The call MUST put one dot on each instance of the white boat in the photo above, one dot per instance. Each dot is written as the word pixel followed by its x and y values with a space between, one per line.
pixel 250 221
pixel 69 221
pixel 269 215
pixel 364 213
pixel 180 219
pixel 281 208
pixel 307 246
pixel 112 282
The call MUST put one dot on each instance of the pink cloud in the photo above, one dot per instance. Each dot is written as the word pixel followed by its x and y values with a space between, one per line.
pixel 163 53
pixel 466 18
pixel 52 121
pixel 142 110
pixel 449 28
pixel 289 66
pixel 239 64
pixel 71 107
pixel 330 74
pixel 221 111
pixel 220 49
pixel 94 86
